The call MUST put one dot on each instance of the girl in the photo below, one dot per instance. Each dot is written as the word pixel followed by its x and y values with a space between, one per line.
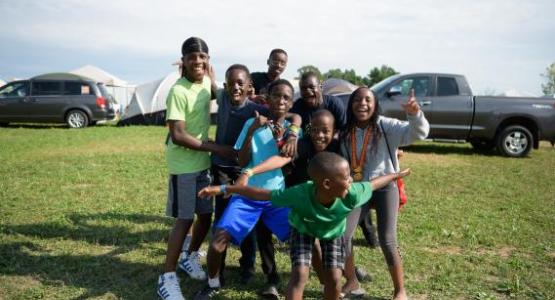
pixel 364 145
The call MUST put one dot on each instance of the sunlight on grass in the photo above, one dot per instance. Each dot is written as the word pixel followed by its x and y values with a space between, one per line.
pixel 82 216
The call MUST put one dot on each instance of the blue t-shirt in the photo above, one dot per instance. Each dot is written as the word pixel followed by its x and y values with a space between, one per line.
pixel 263 146
pixel 230 121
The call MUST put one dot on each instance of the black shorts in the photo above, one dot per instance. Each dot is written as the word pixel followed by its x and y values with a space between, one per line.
pixel 333 251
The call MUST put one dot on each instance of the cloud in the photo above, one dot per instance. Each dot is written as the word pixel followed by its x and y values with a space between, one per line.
pixel 490 41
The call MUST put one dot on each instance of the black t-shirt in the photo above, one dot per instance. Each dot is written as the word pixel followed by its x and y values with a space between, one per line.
pixel 297 171
pixel 260 80
pixel 331 103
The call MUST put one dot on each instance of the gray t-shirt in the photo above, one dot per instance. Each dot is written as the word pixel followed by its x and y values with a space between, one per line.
pixel 399 133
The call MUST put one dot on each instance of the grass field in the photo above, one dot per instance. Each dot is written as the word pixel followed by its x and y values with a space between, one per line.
pixel 82 217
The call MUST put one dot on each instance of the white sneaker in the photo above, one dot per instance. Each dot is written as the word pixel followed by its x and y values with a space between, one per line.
pixel 191 265
pixel 168 287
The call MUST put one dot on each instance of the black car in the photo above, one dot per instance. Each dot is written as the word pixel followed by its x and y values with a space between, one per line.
pixel 55 98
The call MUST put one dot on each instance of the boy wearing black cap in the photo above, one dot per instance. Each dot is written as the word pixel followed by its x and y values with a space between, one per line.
pixel 188 159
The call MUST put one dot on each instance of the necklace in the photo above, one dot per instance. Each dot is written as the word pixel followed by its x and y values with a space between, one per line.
pixel 357 164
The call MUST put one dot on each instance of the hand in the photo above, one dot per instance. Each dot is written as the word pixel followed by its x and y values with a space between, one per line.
pixel 259 121
pixel 260 99
pixel 405 172
pixel 411 107
pixel 289 149
pixel 209 191
pixel 242 180
pixel 227 152
pixel 210 72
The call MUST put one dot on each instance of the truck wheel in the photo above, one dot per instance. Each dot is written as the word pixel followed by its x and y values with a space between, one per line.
pixel 77 119
pixel 514 141
pixel 483 146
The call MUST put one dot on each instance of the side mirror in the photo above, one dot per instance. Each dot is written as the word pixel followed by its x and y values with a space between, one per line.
pixel 394 91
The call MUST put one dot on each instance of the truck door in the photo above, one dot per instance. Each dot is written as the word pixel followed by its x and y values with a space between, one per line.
pixel 400 90
pixel 12 100
pixel 451 109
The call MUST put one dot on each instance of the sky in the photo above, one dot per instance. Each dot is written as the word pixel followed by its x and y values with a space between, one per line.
pixel 499 45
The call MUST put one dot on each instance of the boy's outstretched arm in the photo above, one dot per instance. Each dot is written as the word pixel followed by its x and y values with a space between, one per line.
pixel 250 192
pixel 381 181
pixel 274 162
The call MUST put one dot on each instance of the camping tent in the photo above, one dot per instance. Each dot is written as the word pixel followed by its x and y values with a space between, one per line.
pixel 121 90
pixel 148 104
pixel 334 86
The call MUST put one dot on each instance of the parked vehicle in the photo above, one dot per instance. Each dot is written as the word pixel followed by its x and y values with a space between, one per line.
pixel 513 125
pixel 55 98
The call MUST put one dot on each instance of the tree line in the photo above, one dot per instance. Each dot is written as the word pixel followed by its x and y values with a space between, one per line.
pixel 374 76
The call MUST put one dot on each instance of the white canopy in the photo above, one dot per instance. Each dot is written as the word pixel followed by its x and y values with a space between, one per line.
pixel 99 75
pixel 150 97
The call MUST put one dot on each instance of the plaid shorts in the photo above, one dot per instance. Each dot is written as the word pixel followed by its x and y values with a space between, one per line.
pixel 300 251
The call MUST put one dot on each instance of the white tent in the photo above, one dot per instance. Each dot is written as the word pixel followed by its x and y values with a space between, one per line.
pixel 119 89
pixel 99 75
pixel 334 86
pixel 2 82
pixel 149 101
pixel 516 93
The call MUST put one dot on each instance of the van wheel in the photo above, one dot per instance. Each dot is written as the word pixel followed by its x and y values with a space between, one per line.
pixel 77 119
pixel 514 141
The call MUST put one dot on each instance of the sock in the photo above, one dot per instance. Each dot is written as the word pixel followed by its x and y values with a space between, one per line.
pixel 214 282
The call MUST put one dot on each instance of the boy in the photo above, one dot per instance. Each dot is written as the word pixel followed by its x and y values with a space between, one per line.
pixel 258 140
pixel 330 196
pixel 234 109
pixel 188 162
pixel 277 61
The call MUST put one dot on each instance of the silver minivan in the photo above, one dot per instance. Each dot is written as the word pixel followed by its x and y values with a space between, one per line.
pixel 55 98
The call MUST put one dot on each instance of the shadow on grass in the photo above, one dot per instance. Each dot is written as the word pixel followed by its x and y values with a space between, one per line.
pixel 107 274
pixel 448 148
pixel 99 229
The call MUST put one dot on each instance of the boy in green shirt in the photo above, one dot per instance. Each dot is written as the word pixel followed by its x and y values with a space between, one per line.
pixel 330 196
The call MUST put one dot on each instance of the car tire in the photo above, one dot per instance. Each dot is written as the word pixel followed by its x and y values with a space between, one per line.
pixel 77 119
pixel 514 141
pixel 482 146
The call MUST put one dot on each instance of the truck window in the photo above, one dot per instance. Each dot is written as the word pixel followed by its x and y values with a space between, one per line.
pixel 76 88
pixel 421 86
pixel 47 88
pixel 447 86
pixel 17 89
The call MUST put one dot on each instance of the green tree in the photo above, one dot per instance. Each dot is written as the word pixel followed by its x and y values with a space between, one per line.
pixel 549 87
pixel 309 68
pixel 349 75
pixel 376 75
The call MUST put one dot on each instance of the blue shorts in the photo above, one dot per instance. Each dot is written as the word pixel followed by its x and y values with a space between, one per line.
pixel 242 214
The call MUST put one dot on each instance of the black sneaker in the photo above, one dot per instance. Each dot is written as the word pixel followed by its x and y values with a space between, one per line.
pixel 245 277
pixel 270 292
pixel 362 275
pixel 206 293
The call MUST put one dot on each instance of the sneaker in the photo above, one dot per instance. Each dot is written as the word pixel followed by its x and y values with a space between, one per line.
pixel 270 292
pixel 190 263
pixel 168 287
pixel 206 293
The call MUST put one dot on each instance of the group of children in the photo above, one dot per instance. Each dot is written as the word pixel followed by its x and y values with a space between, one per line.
pixel 271 176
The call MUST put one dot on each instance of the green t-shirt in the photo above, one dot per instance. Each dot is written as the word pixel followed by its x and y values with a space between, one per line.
pixel 308 216
pixel 189 102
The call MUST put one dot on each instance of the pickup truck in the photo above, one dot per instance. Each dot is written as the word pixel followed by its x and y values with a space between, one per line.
pixel 513 125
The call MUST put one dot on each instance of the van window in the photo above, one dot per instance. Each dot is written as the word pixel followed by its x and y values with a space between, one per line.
pixel 47 88
pixel 16 89
pixel 76 88
pixel 447 86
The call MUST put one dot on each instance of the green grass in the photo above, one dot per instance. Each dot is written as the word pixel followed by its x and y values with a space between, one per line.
pixel 82 217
